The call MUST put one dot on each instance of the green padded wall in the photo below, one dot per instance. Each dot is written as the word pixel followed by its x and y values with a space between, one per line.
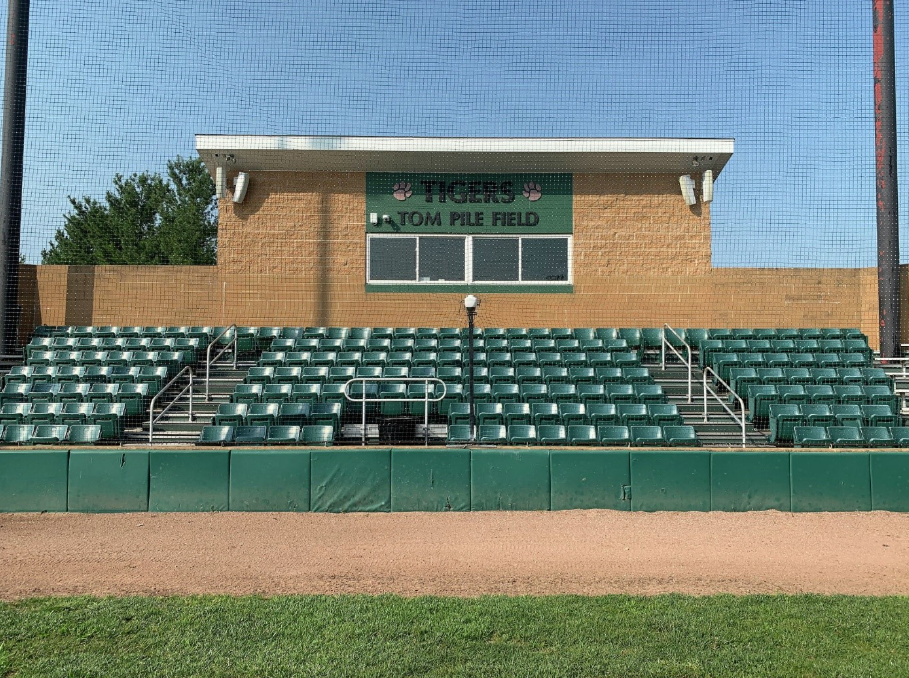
pixel 105 481
pixel 350 480
pixel 510 480
pixel 890 481
pixel 749 481
pixel 670 481
pixel 269 480
pixel 590 479
pixel 430 480
pixel 188 480
pixel 33 480
pixel 830 481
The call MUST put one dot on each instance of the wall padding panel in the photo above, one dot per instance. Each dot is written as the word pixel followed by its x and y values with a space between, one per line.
pixel 33 480
pixel 350 480
pixel 108 481
pixel 590 479
pixel 890 481
pixel 831 481
pixel 269 480
pixel 189 480
pixel 677 480
pixel 509 480
pixel 749 481
pixel 430 480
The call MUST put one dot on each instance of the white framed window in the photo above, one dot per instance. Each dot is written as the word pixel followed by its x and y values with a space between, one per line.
pixel 457 259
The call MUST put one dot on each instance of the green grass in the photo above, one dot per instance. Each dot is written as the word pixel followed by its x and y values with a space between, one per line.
pixel 492 636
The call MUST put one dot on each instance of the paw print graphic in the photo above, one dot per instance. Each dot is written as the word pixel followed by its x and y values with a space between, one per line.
pixel 533 191
pixel 401 190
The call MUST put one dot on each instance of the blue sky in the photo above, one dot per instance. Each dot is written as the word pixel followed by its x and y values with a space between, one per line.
pixel 121 86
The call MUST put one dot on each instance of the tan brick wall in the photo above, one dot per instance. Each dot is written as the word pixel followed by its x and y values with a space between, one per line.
pixel 293 253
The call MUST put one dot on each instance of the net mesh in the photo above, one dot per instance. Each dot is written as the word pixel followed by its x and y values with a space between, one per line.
pixel 118 91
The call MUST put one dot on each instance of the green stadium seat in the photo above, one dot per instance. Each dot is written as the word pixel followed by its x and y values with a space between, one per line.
pixel 492 434
pixel 259 375
pixel 262 414
pixel 847 414
pixel 543 345
pixel 380 344
pixel 845 436
pixel 108 418
pixel 849 375
pixel 563 393
pixel 602 360
pixel 84 434
pixel 265 336
pixel 647 436
pixel 877 436
pixel 534 393
pixel 121 374
pixel 649 393
pixel 317 435
pixel 875 376
pixel 506 393
pixel 785 346
pixel 45 392
pixel 480 375
pixel 423 372
pixel 771 375
pixel 250 435
pixel 297 358
pixel 743 333
pixel 231 414
pixel 324 359
pixel 17 434
pixel 247 393
pixel 900 435
pixel 803 360
pixel 292 333
pixel 498 359
pixel 568 348
pixel 581 375
pixel 652 338
pixel 516 414
pixel 291 375
pixel 20 374
pixel 626 358
pixel 591 393
pixel 760 346
pixel 293 414
pixel 549 359
pixel 818 414
pixel 602 414
pixel 758 401
pixel 881 395
pixel 551 434
pixel 620 393
pixel 326 414
pixel 607 333
pixel 849 394
pixel 14 413
pixel 502 375
pixel 614 436
pixel 277 393
pixel 356 345
pixel 459 434
pixel 449 359
pixel 581 434
pixel 49 434
pixel 272 359
pixel 316 332
pixel 40 357
pixel 821 393
pixel 283 435
pixel 453 394
pixel 312 374
pixel 421 396
pixel 708 348
pixel 42 413
pixel 489 414
pixel 636 375
pixel 824 375
pixel 553 374
pixel 572 413
pixel 792 393
pixel 829 360
pixel 783 420
pixel 76 413
pixel 424 359
pixel 585 333
pixel 879 415
pixel 132 396
pixel 106 393
pixel 632 336
pixel 830 346
pixel 633 414
pixel 522 434
pixel 528 375
pixel 15 393
pixel 755 360
pixel 216 435
pixel 609 375
pixel 392 395
pixel 681 436
pixel 329 345
pixel 545 413
pixel 798 375
pixel 662 414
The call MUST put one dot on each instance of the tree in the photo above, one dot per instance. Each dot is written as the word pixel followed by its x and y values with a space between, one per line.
pixel 143 220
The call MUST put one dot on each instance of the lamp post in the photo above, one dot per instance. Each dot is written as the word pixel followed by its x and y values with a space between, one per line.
pixel 471 303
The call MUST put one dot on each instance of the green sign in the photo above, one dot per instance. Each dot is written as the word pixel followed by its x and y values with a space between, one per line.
pixel 409 202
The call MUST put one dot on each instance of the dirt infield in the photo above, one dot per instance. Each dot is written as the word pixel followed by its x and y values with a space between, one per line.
pixel 581 552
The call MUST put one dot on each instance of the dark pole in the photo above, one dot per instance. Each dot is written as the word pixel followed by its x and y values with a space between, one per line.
pixel 888 232
pixel 11 170
pixel 471 312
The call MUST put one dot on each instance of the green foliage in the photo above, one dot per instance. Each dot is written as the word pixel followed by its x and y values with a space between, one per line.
pixel 144 220
pixel 489 636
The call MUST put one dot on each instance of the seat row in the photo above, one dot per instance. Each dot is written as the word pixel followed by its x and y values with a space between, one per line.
pixel 173 360
pixel 479 345
pixel 132 396
pixel 710 346
pixel 283 414
pixel 742 377
pixel 575 434
pixel 760 398
pixel 445 359
pixel 79 331
pixel 50 434
pixel 851 436
pixel 155 377
pixel 722 363
pixel 527 392
pixel 267 435
pixel 450 375
pixel 784 417
pixel 593 414
pixel 106 415
pixel 40 344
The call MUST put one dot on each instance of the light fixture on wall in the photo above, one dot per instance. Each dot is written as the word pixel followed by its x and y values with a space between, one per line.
pixel 220 182
pixel 241 183
pixel 707 186
pixel 471 304
pixel 687 184
pixel 373 218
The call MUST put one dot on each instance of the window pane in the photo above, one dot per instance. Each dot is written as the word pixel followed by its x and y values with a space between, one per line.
pixel 441 259
pixel 393 258
pixel 495 259
pixel 544 259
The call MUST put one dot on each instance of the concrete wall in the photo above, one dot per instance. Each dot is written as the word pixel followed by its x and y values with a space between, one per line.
pixel 293 253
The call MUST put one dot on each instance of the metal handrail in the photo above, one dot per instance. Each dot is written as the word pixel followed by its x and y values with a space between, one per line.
pixel 720 401
pixel 151 406
pixel 209 360
pixel 665 343
pixel 425 399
